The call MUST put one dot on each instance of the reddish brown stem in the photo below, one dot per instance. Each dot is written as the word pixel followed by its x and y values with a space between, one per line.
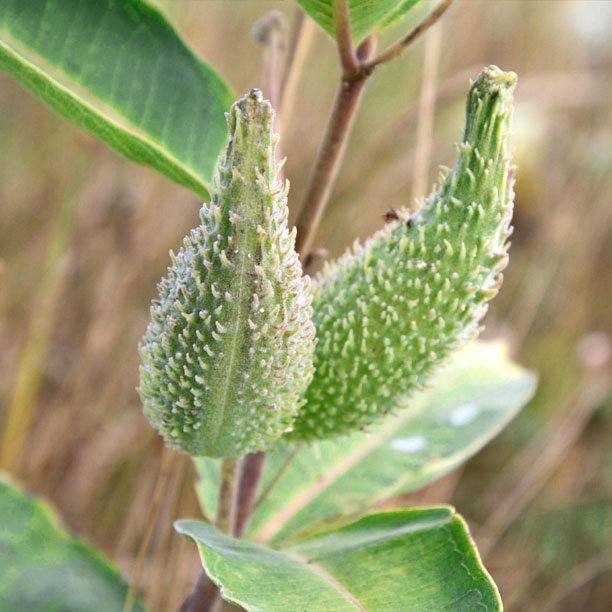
pixel 357 67
pixel 202 597
pixel 342 30
pixel 250 477
pixel 331 153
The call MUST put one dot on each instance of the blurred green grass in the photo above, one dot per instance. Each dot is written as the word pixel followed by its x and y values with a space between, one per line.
pixel 84 237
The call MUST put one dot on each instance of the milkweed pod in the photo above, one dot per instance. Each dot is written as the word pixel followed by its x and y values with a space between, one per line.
pixel 390 311
pixel 228 351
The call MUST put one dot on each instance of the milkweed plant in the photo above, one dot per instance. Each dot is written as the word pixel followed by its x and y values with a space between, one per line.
pixel 306 402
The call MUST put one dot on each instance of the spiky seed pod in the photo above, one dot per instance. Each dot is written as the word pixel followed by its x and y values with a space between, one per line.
pixel 228 352
pixel 389 312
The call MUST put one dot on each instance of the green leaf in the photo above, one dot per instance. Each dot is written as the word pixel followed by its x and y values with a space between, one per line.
pixel 400 11
pixel 420 559
pixel 467 404
pixel 117 69
pixel 42 567
pixel 365 15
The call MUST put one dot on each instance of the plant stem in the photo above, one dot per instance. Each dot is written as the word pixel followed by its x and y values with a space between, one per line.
pixel 250 476
pixel 401 45
pixel 357 68
pixel 342 29
pixel 281 470
pixel 357 65
pixel 205 594
pixel 332 151
pixel 227 495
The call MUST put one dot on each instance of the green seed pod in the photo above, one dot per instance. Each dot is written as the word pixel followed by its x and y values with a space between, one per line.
pixel 389 312
pixel 228 352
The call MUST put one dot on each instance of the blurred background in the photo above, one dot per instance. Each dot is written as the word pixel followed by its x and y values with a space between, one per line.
pixel 84 238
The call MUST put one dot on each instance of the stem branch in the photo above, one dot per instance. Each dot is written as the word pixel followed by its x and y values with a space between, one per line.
pixel 281 470
pixel 401 45
pixel 357 67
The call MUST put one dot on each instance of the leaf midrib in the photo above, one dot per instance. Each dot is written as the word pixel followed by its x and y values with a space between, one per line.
pixel 71 89
pixel 321 571
pixel 276 523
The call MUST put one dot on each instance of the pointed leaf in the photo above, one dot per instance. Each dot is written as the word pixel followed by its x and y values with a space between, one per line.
pixel 117 69
pixel 420 559
pixel 42 567
pixel 467 405
pixel 365 15
pixel 400 11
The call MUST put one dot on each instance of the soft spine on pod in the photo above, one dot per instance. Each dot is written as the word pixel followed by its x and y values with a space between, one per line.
pixel 390 311
pixel 228 352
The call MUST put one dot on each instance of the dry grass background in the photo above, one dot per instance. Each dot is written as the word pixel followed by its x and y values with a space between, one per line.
pixel 84 237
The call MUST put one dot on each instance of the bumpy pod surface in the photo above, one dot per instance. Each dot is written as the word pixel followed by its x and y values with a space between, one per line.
pixel 228 352
pixel 390 311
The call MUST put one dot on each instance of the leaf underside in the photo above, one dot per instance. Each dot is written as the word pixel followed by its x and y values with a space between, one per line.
pixel 419 559
pixel 366 15
pixel 468 404
pixel 117 69
pixel 42 567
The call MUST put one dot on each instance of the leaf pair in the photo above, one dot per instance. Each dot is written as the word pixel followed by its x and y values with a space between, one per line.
pixel 346 567
pixel 420 559
pixel 392 561
pixel 417 559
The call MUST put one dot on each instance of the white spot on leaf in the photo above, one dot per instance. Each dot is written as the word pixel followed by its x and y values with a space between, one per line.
pixel 411 444
pixel 464 414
